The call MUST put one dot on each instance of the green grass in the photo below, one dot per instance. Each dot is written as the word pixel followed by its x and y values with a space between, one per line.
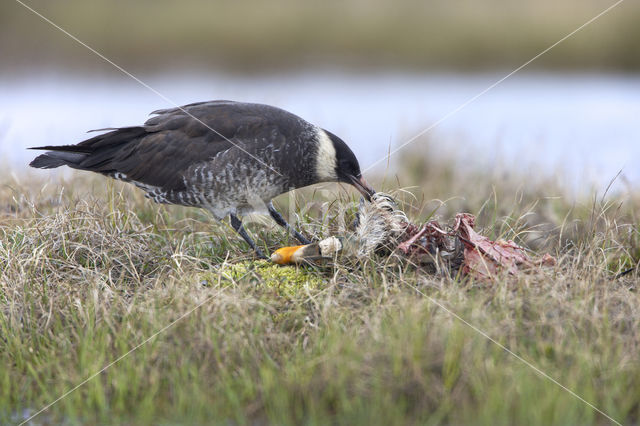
pixel 89 273
pixel 254 36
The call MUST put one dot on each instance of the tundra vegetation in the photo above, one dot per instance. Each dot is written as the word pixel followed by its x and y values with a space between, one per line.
pixel 255 36
pixel 91 270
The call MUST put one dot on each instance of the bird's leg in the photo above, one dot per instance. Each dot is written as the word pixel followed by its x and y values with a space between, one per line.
pixel 282 222
pixel 236 223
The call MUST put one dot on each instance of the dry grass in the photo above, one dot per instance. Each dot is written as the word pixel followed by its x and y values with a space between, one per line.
pixel 89 272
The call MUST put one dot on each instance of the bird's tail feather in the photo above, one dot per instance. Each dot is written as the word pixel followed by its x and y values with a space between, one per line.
pixel 53 159
pixel 92 154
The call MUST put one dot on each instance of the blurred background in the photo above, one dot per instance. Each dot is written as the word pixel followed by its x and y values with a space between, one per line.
pixel 374 72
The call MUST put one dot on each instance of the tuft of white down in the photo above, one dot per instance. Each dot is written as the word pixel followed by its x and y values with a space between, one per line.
pixel 381 223
pixel 325 158
pixel 330 247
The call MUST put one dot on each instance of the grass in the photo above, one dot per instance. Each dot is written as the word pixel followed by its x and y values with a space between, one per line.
pixel 254 36
pixel 91 271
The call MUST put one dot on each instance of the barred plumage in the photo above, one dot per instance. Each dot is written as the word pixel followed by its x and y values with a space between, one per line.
pixel 230 158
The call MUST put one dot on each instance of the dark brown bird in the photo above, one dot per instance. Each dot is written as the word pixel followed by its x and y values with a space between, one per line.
pixel 230 158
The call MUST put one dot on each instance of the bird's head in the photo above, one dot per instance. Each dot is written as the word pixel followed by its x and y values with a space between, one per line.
pixel 335 162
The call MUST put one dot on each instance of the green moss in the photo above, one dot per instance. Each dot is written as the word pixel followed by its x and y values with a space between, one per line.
pixel 285 280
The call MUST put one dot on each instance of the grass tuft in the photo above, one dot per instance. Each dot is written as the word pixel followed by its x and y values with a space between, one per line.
pixel 90 270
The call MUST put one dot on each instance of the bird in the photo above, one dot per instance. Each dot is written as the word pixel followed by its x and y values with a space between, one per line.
pixel 230 158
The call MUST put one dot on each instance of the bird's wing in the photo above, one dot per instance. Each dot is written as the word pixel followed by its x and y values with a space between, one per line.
pixel 170 143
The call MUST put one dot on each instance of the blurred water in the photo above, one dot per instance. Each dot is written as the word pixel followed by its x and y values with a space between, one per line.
pixel 583 127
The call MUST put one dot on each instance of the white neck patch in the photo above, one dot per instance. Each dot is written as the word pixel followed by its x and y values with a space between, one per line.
pixel 326 158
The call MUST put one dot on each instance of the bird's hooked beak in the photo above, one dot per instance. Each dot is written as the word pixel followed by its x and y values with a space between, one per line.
pixel 363 186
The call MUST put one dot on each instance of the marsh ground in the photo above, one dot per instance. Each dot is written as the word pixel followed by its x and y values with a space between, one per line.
pixel 254 36
pixel 94 273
